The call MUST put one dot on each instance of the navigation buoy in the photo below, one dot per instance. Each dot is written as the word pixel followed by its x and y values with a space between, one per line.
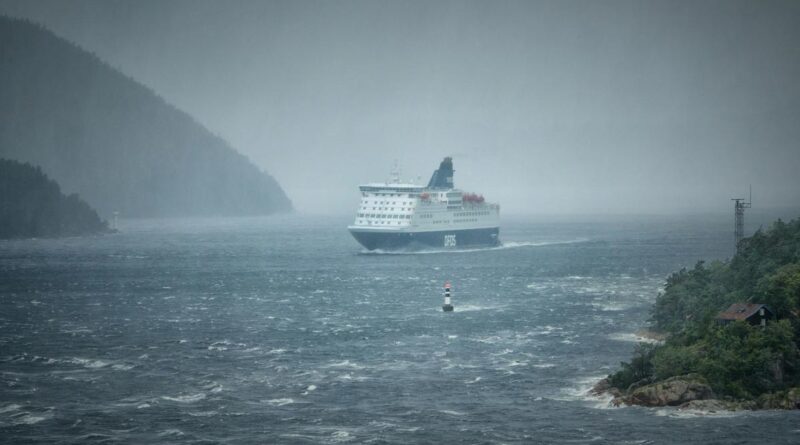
pixel 447 307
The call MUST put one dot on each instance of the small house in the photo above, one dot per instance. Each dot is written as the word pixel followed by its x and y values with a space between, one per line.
pixel 756 314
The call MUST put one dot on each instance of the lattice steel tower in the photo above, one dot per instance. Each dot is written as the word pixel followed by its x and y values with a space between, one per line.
pixel 738 208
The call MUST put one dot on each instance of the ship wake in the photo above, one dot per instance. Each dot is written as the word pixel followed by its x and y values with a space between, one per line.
pixel 502 246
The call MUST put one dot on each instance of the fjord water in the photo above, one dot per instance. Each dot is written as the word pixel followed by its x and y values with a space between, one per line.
pixel 282 330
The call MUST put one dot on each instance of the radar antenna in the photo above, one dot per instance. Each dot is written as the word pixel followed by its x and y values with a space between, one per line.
pixel 739 205
pixel 395 173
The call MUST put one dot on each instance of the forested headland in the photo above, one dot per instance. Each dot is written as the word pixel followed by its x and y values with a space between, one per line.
pixel 114 141
pixel 739 364
pixel 32 205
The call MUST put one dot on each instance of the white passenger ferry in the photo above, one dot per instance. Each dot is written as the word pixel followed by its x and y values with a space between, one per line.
pixel 394 215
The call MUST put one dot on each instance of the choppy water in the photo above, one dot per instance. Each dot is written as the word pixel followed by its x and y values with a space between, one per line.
pixel 280 330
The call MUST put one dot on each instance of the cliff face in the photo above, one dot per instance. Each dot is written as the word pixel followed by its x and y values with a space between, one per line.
pixel 32 205
pixel 114 141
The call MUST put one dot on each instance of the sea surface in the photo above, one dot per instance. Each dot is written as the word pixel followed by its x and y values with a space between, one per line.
pixel 283 330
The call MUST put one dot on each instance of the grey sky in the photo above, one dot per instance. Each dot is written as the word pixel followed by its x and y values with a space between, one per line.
pixel 551 107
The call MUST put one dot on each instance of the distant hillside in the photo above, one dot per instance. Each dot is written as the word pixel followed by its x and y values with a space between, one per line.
pixel 31 205
pixel 113 140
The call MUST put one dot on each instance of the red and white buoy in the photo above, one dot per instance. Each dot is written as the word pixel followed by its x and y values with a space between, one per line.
pixel 447 306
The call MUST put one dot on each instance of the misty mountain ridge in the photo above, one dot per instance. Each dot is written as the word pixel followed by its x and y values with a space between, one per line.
pixel 114 141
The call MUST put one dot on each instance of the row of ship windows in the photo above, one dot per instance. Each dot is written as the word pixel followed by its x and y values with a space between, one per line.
pixel 377 203
pixel 379 215
pixel 430 215
pixel 361 221
pixel 465 220
pixel 471 213
pixel 398 195
pixel 367 201
pixel 402 209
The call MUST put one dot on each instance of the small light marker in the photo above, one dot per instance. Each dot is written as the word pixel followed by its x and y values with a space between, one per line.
pixel 447 306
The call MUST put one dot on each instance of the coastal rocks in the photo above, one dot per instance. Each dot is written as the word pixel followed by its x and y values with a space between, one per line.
pixel 781 400
pixel 691 393
pixel 671 392
pixel 674 391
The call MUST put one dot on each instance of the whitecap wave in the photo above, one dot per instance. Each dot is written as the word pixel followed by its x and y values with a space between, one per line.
pixel 631 337
pixel 16 416
pixel 29 419
pixel 213 387
pixel 204 414
pixel 677 413
pixel 581 391
pixel 612 306
pixel 344 364
pixel 186 398
pixel 121 367
pixel 473 307
pixel 537 286
pixel 280 402
pixel 89 363
pixel 347 377
pixel 171 433
pixel 341 436
pixel 451 412
pixel 545 330
pixel 9 408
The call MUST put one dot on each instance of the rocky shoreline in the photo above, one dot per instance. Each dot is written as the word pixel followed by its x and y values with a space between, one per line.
pixel 691 392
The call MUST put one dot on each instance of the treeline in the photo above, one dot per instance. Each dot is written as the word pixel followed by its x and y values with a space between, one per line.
pixel 737 360
pixel 32 205
pixel 114 141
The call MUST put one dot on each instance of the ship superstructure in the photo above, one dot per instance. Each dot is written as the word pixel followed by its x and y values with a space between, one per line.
pixel 396 215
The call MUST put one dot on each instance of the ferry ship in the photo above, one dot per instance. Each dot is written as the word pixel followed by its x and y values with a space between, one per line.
pixel 396 215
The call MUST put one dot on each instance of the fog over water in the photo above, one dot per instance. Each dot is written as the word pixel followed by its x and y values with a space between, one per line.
pixel 546 107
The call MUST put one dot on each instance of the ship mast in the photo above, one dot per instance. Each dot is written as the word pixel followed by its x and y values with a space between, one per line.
pixel 394 177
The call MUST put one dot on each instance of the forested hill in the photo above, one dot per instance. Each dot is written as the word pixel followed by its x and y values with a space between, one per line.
pixel 31 205
pixel 114 141
pixel 737 360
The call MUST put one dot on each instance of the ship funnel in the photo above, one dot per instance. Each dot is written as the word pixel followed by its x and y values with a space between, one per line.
pixel 443 177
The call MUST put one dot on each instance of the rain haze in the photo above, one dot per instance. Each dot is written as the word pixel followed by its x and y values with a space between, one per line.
pixel 202 239
pixel 563 107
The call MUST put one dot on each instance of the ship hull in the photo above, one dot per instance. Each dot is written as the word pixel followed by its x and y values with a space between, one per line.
pixel 444 239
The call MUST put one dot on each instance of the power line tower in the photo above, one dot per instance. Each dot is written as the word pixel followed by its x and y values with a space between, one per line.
pixel 739 205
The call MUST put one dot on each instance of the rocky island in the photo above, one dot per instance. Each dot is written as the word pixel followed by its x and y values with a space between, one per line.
pixel 730 333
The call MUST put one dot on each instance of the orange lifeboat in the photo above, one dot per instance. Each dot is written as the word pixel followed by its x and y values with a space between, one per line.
pixel 473 198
